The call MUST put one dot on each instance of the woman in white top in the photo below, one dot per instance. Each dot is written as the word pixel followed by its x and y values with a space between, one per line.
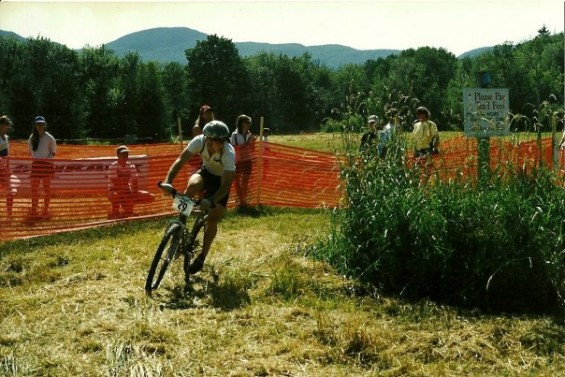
pixel 242 139
pixel 42 146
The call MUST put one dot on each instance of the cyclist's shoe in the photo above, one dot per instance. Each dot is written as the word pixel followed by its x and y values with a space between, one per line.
pixel 196 265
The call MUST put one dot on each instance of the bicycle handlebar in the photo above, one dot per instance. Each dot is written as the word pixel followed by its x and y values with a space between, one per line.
pixel 167 187
pixel 173 192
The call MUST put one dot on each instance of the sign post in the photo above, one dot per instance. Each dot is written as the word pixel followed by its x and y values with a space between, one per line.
pixel 486 114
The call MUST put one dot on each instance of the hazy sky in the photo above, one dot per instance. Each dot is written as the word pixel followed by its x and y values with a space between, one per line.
pixel 456 25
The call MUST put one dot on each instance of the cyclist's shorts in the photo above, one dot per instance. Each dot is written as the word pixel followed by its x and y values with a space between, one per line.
pixel 212 184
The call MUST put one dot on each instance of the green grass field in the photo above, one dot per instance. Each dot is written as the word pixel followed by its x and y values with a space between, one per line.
pixel 334 142
pixel 74 305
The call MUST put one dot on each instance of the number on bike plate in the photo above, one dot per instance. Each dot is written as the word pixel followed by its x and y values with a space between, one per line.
pixel 183 204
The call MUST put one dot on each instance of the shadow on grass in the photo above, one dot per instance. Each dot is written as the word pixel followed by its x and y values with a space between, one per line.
pixel 249 211
pixel 201 292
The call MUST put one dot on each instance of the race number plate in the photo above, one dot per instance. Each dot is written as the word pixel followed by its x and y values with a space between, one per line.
pixel 183 204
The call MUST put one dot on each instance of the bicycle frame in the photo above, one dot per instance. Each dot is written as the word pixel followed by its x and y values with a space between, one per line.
pixel 177 240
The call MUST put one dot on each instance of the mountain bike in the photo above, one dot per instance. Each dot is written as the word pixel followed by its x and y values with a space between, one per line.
pixel 178 239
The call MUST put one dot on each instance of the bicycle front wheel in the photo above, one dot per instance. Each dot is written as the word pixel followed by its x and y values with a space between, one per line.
pixel 194 242
pixel 165 253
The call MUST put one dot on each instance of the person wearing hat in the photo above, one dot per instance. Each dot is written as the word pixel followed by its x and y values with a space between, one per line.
pixel 205 115
pixel 5 174
pixel 369 138
pixel 42 147
pixel 123 186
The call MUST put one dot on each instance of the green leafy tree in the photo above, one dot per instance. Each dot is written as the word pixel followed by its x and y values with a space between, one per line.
pixel 350 91
pixel 423 73
pixel 293 112
pixel 293 94
pixel 463 78
pixel 175 84
pixel 542 56
pixel 16 98
pixel 151 111
pixel 263 88
pixel 101 92
pixel 55 94
pixel 218 77
pixel 126 96
pixel 322 92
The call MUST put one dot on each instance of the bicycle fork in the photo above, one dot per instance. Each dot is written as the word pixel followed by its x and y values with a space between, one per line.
pixel 187 253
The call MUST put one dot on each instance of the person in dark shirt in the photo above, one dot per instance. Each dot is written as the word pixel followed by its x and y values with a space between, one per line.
pixel 369 138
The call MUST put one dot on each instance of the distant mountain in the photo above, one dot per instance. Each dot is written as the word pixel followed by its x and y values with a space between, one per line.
pixel 169 44
pixel 475 52
pixel 332 56
pixel 9 34
pixel 159 44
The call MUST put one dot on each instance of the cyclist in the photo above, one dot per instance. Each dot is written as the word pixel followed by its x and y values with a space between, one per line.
pixel 214 178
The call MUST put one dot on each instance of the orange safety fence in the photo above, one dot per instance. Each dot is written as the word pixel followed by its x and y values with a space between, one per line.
pixel 80 176
pixel 459 157
pixel 280 176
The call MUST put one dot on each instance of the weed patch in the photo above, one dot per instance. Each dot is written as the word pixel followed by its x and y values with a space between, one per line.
pixel 498 247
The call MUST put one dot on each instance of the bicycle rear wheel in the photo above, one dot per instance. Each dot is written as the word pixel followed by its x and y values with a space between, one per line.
pixel 165 253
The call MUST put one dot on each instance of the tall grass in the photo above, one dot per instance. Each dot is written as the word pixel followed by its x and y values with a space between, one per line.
pixel 498 246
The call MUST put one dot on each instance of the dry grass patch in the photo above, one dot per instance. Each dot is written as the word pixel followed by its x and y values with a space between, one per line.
pixel 260 307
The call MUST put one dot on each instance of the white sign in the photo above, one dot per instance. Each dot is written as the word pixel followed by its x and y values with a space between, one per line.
pixel 79 176
pixel 486 112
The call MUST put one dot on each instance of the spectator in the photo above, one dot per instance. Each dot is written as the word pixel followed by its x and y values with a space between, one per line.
pixel 42 147
pixel 390 128
pixel 242 139
pixel 5 174
pixel 266 152
pixel 374 140
pixel 205 115
pixel 369 138
pixel 562 141
pixel 387 135
pixel 123 186
pixel 426 135
pixel 266 134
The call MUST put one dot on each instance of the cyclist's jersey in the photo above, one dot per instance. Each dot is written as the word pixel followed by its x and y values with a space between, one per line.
pixel 217 163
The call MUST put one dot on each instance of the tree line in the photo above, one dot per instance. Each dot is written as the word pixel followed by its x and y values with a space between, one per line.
pixel 92 93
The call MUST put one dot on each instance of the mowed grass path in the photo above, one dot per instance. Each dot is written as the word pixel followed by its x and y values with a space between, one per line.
pixel 74 305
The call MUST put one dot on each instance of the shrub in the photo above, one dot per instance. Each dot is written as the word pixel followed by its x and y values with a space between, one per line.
pixel 498 246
